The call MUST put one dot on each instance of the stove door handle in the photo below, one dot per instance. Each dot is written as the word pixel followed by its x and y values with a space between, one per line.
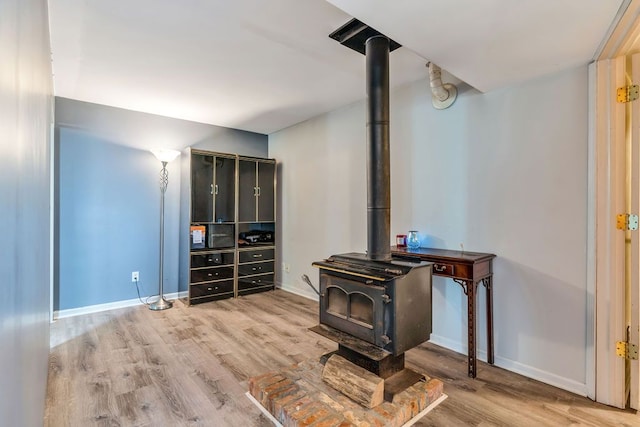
pixel 386 298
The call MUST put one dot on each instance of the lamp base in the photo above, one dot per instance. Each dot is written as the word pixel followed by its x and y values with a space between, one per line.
pixel 161 304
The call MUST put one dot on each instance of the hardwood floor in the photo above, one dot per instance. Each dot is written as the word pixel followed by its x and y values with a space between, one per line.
pixel 188 366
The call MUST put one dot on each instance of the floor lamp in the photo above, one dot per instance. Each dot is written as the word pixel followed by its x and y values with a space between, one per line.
pixel 165 156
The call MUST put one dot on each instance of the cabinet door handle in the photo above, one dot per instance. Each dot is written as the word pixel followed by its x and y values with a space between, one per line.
pixel 258 191
pixel 216 189
pixel 255 191
pixel 211 189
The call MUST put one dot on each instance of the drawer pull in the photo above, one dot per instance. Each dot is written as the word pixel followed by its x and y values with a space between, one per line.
pixel 439 268
pixel 212 289
pixel 257 255
pixel 210 259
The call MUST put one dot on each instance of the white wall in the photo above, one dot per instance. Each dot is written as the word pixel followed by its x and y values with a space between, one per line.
pixel 503 172
pixel 25 128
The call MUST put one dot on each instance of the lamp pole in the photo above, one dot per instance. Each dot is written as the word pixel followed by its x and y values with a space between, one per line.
pixel 161 303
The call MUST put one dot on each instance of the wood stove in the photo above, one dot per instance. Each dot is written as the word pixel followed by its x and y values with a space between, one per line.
pixel 387 304
pixel 376 307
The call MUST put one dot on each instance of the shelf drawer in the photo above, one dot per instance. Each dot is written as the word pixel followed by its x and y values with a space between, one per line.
pixel 217 297
pixel 255 268
pixel 209 274
pixel 440 269
pixel 256 255
pixel 255 281
pixel 211 259
pixel 255 290
pixel 214 288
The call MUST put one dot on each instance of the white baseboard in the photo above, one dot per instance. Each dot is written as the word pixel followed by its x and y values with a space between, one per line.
pixel 456 346
pixel 60 314
pixel 542 376
pixel 517 367
pixel 294 290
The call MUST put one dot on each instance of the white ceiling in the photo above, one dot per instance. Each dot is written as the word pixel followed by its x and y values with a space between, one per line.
pixel 265 65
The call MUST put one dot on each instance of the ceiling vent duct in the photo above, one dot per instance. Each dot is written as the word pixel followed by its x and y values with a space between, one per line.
pixel 443 95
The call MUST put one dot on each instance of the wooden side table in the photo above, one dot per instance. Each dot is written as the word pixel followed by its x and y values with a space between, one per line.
pixel 468 269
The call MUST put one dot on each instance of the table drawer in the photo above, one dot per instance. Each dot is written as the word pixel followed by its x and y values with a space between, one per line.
pixel 255 268
pixel 255 281
pixel 209 274
pixel 214 288
pixel 211 259
pixel 442 269
pixel 256 255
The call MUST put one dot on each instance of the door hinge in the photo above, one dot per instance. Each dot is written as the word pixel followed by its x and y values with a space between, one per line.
pixel 627 222
pixel 627 350
pixel 628 93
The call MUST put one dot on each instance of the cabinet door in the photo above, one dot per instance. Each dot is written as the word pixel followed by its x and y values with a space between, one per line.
pixel 266 180
pixel 201 188
pixel 225 189
pixel 247 191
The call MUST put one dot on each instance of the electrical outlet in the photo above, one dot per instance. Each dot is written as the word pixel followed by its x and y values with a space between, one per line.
pixel 287 268
pixel 135 276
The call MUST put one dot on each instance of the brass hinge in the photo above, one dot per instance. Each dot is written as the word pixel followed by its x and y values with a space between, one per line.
pixel 627 350
pixel 627 222
pixel 628 93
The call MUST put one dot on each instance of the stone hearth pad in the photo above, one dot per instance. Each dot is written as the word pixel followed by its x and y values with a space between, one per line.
pixel 296 396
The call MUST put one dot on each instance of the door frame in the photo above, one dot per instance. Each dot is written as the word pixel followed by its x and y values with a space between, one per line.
pixel 606 249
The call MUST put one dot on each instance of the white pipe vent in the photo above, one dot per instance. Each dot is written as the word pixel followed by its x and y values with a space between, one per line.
pixel 443 95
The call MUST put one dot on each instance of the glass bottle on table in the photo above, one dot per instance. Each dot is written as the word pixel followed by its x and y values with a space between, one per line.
pixel 413 242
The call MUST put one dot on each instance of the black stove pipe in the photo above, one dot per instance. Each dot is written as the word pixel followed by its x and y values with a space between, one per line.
pixel 378 160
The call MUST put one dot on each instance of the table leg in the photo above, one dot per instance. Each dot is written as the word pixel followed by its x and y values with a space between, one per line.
pixel 469 289
pixel 471 327
pixel 488 284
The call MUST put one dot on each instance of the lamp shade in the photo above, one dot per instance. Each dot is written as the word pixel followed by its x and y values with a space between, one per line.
pixel 165 155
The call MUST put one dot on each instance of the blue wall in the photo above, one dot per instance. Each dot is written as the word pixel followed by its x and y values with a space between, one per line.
pixel 109 199
pixel 25 129
pixel 109 221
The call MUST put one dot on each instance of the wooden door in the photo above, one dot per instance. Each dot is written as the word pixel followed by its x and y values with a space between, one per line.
pixel 633 239
pixel 225 189
pixel 247 191
pixel 608 253
pixel 201 188
pixel 266 180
